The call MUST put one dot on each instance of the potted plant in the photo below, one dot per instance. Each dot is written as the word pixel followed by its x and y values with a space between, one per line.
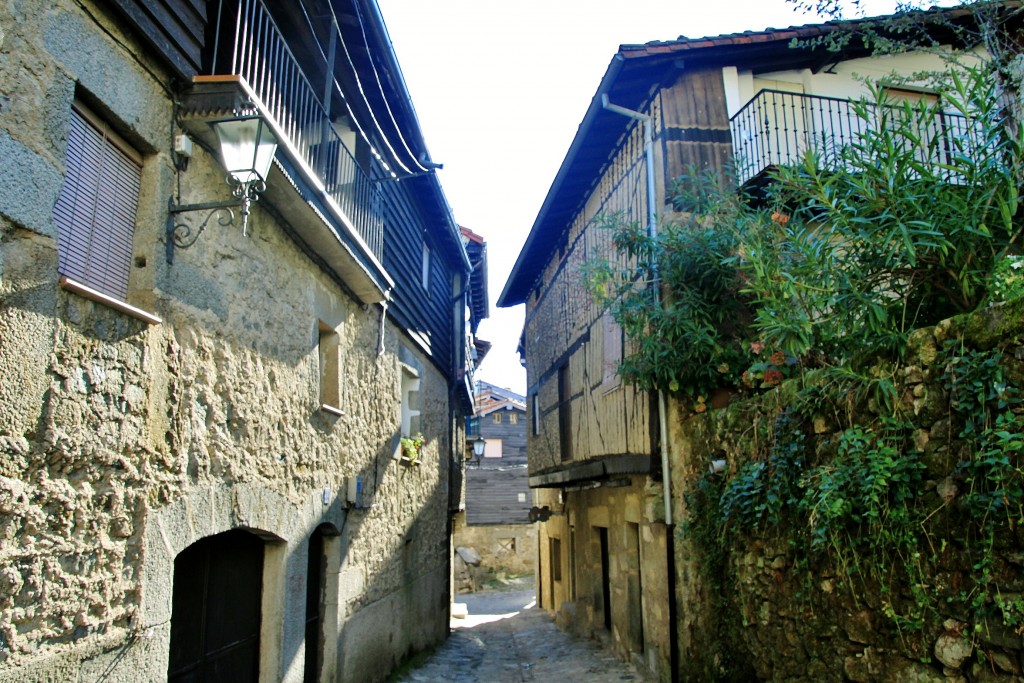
pixel 412 447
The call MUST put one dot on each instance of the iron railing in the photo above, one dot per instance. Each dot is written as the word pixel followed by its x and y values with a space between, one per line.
pixel 261 56
pixel 778 129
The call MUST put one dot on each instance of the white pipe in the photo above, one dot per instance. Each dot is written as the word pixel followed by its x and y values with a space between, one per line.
pixel 383 316
pixel 652 232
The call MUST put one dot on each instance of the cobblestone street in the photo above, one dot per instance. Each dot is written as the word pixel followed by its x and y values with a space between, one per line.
pixel 507 639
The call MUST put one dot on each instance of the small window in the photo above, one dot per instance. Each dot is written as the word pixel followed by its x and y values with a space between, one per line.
pixel 330 369
pixel 492 448
pixel 507 546
pixel 425 274
pixel 535 415
pixel 513 419
pixel 410 401
pixel 612 342
pixel 497 418
pixel 565 412
pixel 95 211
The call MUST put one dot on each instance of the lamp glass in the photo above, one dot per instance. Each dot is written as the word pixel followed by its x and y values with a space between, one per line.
pixel 478 446
pixel 247 147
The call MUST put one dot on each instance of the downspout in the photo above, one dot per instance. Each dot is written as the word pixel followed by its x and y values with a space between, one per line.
pixel 666 482
pixel 383 318
pixel 652 232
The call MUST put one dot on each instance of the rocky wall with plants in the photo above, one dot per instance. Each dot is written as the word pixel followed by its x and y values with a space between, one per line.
pixel 868 531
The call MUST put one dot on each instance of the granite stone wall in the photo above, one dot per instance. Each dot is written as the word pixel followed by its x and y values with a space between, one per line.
pixel 123 442
pixel 764 605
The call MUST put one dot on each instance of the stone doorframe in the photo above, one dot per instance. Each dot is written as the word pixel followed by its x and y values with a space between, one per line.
pixel 284 526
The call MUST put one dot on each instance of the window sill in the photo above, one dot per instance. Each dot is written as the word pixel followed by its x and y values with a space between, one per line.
pixel 99 297
pixel 327 408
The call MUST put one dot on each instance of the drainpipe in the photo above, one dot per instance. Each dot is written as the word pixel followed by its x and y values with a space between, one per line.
pixel 652 232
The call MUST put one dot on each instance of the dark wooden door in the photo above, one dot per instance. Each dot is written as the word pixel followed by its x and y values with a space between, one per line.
pixel 215 618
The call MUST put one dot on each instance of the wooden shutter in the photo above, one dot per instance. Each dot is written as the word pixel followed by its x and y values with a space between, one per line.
pixel 95 213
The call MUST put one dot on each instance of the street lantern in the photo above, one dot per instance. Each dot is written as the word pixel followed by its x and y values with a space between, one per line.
pixel 247 147
pixel 479 443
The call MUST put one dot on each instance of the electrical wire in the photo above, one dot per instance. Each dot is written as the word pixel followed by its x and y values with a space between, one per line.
pixel 380 87
pixel 337 88
pixel 362 93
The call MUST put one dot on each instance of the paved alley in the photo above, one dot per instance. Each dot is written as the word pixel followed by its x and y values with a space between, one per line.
pixel 507 639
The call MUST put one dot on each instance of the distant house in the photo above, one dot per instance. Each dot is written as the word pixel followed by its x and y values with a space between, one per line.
pixel 600 452
pixel 204 383
pixel 498 498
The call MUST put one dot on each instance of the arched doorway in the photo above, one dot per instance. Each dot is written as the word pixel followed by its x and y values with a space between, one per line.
pixel 215 612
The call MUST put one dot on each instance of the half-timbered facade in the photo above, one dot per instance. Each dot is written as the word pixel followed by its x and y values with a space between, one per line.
pixel 203 400
pixel 600 451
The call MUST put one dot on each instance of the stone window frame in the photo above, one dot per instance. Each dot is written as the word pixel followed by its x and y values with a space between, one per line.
pixel 330 363
pixel 83 222
pixel 410 400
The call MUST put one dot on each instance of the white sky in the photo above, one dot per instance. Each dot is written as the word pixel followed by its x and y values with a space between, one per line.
pixel 500 89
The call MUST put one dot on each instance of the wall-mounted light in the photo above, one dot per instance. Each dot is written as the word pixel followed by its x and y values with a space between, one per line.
pixel 247 147
pixel 479 444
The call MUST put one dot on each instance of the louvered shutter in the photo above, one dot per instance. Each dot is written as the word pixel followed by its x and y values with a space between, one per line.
pixel 95 213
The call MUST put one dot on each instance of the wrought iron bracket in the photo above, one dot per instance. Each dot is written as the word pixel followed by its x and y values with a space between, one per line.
pixel 181 234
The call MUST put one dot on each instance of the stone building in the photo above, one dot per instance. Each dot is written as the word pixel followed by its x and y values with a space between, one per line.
pixel 202 398
pixel 599 453
pixel 497 523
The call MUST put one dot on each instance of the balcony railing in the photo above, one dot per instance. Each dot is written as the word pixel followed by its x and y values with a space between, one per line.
pixel 779 128
pixel 261 55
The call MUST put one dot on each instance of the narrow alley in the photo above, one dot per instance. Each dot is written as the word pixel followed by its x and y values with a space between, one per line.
pixel 506 638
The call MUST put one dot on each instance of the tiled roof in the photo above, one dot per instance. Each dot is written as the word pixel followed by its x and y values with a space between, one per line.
pixel 633 74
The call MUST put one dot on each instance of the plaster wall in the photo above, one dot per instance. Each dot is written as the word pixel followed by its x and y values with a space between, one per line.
pixel 845 80
pixel 122 442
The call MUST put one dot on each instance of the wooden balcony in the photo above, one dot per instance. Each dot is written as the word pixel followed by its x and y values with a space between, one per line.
pixel 256 66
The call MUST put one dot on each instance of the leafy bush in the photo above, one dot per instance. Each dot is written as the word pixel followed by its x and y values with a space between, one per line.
pixel 678 296
pixel 897 230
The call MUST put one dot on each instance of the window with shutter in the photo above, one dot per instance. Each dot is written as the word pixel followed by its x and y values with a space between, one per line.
pixel 95 212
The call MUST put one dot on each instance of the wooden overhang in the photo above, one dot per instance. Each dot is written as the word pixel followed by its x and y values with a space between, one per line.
pixel 634 76
pixel 476 250
pixel 594 469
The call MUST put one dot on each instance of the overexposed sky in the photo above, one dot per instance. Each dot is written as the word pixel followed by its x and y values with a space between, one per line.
pixel 500 89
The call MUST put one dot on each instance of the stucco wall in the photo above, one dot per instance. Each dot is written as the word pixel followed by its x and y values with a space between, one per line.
pixel 121 442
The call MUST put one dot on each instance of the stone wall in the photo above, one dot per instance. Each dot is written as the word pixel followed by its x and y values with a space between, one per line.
pixel 762 606
pixel 122 442
pixel 635 618
pixel 503 548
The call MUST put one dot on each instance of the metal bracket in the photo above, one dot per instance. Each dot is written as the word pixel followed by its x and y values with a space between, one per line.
pixel 181 235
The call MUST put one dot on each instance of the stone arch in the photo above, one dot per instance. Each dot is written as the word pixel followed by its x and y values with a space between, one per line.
pixel 284 524
pixel 203 512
